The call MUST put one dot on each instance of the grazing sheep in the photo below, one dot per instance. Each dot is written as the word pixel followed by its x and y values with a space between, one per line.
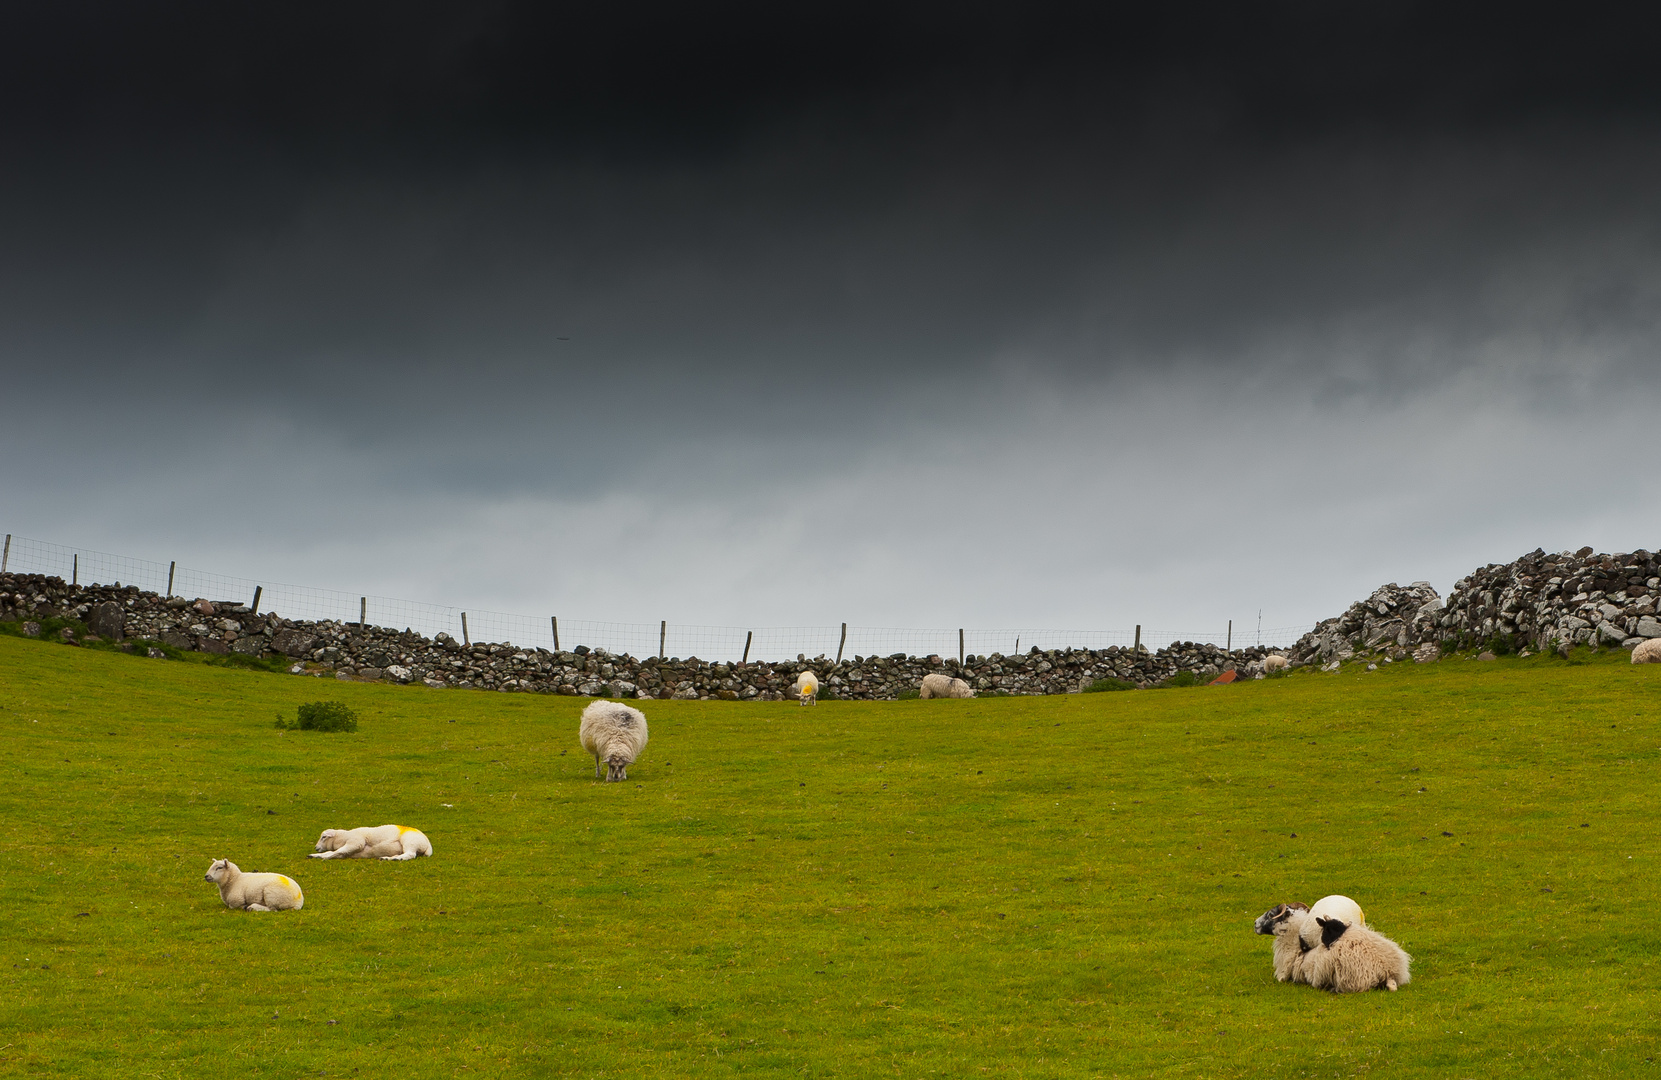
pixel 1647 652
pixel 807 688
pixel 1287 923
pixel 254 892
pixel 1350 959
pixel 944 686
pixel 1274 662
pixel 615 732
pixel 392 843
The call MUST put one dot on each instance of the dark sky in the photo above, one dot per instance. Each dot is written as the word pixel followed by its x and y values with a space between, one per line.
pixel 774 314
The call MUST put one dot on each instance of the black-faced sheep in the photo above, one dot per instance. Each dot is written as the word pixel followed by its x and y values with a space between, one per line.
pixel 944 686
pixel 1350 959
pixel 615 733
pixel 807 688
pixel 1286 922
pixel 254 892
pixel 392 843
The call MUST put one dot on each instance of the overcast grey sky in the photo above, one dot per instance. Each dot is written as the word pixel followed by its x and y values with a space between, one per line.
pixel 931 315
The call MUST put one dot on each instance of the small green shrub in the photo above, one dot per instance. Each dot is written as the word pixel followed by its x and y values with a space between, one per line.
pixel 322 716
pixel 1106 685
pixel 1501 645
pixel 1181 678
pixel 907 695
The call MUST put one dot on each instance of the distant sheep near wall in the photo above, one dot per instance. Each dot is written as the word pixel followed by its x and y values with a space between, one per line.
pixel 254 892
pixel 944 686
pixel 613 733
pixel 1274 662
pixel 1647 652
pixel 807 688
pixel 392 843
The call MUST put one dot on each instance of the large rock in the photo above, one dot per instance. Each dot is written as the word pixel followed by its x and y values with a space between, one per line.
pixel 1648 627
pixel 107 620
pixel 295 643
pixel 212 645
pixel 252 646
pixel 178 640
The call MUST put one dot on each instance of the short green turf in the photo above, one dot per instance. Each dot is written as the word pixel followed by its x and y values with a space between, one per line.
pixel 1019 887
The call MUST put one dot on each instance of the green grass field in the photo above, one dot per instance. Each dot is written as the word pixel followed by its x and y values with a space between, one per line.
pixel 1011 887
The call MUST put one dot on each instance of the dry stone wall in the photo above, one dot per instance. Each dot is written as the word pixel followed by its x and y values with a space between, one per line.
pixel 350 651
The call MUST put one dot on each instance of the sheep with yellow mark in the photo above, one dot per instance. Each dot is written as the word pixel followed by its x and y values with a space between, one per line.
pixel 254 892
pixel 389 843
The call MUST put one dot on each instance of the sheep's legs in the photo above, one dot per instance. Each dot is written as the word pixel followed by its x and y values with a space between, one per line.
pixel 256 907
pixel 596 766
pixel 398 858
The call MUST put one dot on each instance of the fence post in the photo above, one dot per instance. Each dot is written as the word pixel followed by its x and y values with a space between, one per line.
pixel 841 643
pixel 363 612
pixel 172 566
pixel 960 646
pixel 662 636
pixel 1138 648
pixel 6 556
pixel 1230 646
pixel 465 640
pixel 748 634
pixel 254 608
pixel 555 619
pixel 75 569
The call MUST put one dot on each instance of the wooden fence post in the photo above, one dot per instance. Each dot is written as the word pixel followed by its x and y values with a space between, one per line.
pixel 841 643
pixel 6 556
pixel 465 640
pixel 75 569
pixel 662 636
pixel 748 634
pixel 254 608
pixel 172 566
pixel 555 620
pixel 1138 648
pixel 1230 646
pixel 960 646
pixel 363 612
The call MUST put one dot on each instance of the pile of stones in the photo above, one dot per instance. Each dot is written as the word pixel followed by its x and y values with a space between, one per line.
pixel 1557 601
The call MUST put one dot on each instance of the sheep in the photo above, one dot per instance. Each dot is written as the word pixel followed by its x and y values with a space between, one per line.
pixel 254 892
pixel 1337 907
pixel 1353 958
pixel 390 843
pixel 1287 923
pixel 1274 662
pixel 944 686
pixel 1647 652
pixel 807 688
pixel 615 732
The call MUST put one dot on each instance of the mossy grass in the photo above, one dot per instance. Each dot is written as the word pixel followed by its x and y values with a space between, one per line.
pixel 1020 887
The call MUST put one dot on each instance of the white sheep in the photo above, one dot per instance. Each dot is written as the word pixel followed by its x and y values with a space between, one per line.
pixel 1647 652
pixel 944 686
pixel 392 843
pixel 807 688
pixel 614 732
pixel 1287 923
pixel 1350 959
pixel 254 892
pixel 1342 908
pixel 1274 662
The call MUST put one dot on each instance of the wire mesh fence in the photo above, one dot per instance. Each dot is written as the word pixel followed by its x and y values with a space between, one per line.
pixel 86 566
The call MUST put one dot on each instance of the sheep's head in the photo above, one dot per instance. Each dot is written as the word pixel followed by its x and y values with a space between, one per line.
pixel 218 871
pixel 617 768
pixel 1274 921
pixel 1331 929
pixel 326 842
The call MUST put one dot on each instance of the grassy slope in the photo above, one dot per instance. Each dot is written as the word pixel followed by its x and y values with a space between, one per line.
pixel 1001 887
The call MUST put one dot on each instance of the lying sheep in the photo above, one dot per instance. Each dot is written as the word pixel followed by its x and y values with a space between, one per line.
pixel 1350 959
pixel 944 686
pixel 1274 662
pixel 392 843
pixel 1647 652
pixel 615 732
pixel 807 688
pixel 1287 922
pixel 1342 908
pixel 254 892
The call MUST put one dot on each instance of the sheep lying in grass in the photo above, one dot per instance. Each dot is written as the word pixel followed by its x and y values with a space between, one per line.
pixel 614 732
pixel 1647 652
pixel 807 688
pixel 1274 662
pixel 944 686
pixel 393 843
pixel 1287 923
pixel 254 892
pixel 1350 959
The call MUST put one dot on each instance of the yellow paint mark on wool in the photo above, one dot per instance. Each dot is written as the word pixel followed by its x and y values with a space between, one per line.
pixel 402 829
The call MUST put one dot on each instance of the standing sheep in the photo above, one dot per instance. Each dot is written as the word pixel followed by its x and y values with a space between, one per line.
pixel 943 686
pixel 1647 652
pixel 807 688
pixel 614 732
pixel 392 843
pixel 1274 662
pixel 1353 958
pixel 254 892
